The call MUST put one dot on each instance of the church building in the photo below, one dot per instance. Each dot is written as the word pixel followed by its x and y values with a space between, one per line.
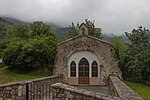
pixel 85 59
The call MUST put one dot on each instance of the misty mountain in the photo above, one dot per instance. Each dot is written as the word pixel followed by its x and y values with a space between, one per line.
pixel 3 26
pixel 61 32
pixel 13 20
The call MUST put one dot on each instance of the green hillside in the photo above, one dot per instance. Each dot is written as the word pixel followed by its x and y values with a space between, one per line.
pixel 3 25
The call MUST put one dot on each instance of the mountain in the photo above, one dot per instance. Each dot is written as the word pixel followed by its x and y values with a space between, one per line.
pixel 5 22
pixel 61 32
pixel 13 20
pixel 3 26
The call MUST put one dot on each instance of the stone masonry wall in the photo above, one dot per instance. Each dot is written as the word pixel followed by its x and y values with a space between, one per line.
pixel 37 89
pixel 120 89
pixel 66 92
pixel 86 43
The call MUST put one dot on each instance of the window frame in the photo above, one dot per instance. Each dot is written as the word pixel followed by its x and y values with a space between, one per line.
pixel 73 69
pixel 94 69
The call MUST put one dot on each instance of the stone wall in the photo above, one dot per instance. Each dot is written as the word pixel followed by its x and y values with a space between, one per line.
pixel 52 88
pixel 66 92
pixel 36 89
pixel 102 49
pixel 120 89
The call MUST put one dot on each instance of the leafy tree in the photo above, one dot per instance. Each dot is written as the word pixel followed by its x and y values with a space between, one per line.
pixel 138 55
pixel 93 31
pixel 30 46
pixel 40 28
pixel 3 26
pixel 73 30
pixel 18 31
pixel 34 53
pixel 119 52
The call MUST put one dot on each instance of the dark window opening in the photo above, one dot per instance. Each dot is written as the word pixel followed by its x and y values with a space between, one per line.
pixel 84 67
pixel 94 69
pixel 73 69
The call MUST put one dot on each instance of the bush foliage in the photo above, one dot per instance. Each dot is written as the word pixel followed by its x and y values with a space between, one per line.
pixel 134 57
pixel 30 46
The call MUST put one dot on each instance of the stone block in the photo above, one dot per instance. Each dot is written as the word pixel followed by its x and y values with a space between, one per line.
pixel 8 88
pixel 7 99
pixel 20 90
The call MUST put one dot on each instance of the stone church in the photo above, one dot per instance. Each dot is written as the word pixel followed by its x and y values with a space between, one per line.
pixel 85 59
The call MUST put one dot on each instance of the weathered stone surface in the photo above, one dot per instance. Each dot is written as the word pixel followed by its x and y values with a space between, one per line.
pixel 45 89
pixel 120 89
pixel 7 99
pixel 77 94
pixel 13 92
pixel 37 89
pixel 100 48
pixel 8 88
pixel 20 90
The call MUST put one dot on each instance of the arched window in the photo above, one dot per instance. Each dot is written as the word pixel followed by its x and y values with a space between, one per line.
pixel 73 69
pixel 94 69
pixel 84 67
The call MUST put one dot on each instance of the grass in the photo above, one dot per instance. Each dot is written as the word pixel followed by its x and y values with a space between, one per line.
pixel 142 90
pixel 7 76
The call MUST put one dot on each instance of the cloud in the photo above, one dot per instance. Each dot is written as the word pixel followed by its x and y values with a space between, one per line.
pixel 113 16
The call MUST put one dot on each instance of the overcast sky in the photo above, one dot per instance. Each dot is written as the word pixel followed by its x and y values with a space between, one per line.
pixel 113 16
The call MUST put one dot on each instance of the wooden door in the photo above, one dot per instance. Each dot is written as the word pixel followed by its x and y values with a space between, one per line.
pixel 83 71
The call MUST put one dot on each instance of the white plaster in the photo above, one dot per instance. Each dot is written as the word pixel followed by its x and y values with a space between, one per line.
pixel 76 57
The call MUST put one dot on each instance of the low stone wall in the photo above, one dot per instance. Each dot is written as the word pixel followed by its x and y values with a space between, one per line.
pixel 66 92
pixel 120 89
pixel 35 89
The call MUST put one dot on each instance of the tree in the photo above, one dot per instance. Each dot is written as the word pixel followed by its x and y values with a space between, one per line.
pixel 119 52
pixel 73 30
pixel 40 28
pixel 138 55
pixel 93 31
pixel 31 46
pixel 19 31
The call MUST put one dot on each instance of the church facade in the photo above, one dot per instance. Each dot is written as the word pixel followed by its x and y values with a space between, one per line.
pixel 86 60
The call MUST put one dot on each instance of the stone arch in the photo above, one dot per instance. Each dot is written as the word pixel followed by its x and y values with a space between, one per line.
pixel 77 56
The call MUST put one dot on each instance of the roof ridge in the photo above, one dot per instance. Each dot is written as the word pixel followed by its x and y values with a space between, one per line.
pixel 104 41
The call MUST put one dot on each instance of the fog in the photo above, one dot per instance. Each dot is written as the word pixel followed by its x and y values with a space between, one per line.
pixel 113 16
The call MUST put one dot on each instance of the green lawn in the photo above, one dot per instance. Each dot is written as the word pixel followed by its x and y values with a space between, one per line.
pixel 142 90
pixel 7 76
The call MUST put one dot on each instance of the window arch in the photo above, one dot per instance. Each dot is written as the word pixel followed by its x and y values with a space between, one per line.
pixel 73 69
pixel 83 61
pixel 94 69
pixel 84 67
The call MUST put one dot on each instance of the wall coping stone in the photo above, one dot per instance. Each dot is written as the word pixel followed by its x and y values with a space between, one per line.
pixel 28 81
pixel 124 92
pixel 84 92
